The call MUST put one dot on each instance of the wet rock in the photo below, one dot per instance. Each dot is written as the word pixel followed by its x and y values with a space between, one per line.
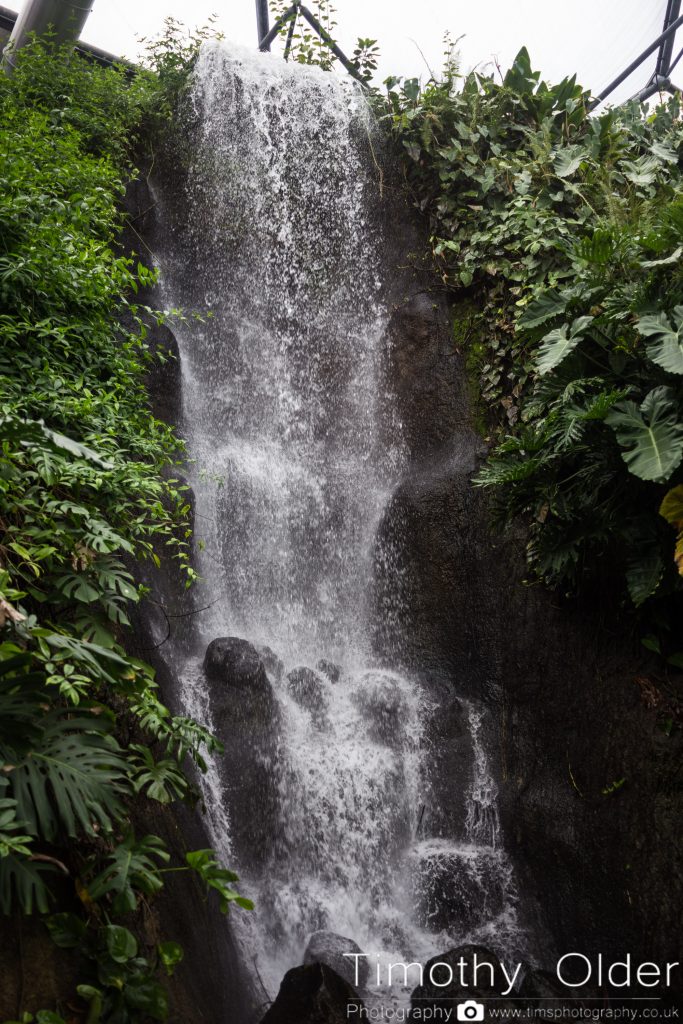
pixel 459 890
pixel 384 704
pixel 235 662
pixel 306 687
pixel 328 668
pixel 449 757
pixel 246 720
pixel 542 987
pixel 313 994
pixel 476 974
pixel 329 948
pixel 164 376
pixel 272 664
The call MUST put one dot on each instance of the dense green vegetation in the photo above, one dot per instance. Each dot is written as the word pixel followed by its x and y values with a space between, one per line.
pixel 87 488
pixel 560 235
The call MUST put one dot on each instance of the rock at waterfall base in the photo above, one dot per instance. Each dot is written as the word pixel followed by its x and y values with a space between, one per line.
pixel 329 948
pixel 273 665
pixel 308 690
pixel 245 718
pixel 328 668
pixel 485 983
pixel 312 994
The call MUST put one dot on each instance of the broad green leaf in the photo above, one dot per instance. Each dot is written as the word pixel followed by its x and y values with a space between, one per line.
pixel 667 347
pixel 568 160
pixel 66 930
pixel 642 171
pixel 644 574
pixel 521 78
pixel 663 153
pixel 170 954
pixel 121 944
pixel 147 995
pixel 651 434
pixel 21 881
pixel 672 506
pixel 542 309
pixel 672 510
pixel 556 345
pixel 74 777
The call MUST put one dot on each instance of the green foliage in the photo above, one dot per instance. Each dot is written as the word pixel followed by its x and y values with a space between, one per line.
pixel 306 46
pixel 87 490
pixel 566 232
pixel 132 869
pixel 217 878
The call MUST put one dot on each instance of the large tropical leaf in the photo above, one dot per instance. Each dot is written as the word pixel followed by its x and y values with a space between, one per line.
pixel 21 880
pixel 672 510
pixel 556 345
pixel 644 573
pixel 133 867
pixel 541 309
pixel 651 435
pixel 568 160
pixel 75 778
pixel 667 347
pixel 21 699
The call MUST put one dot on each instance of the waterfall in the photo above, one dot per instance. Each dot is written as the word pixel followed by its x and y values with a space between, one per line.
pixel 295 450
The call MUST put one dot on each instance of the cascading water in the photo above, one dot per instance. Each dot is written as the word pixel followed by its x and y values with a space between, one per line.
pixel 296 450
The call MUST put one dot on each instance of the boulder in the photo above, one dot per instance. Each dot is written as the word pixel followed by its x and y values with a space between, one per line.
pixel 313 994
pixel 246 720
pixel 544 988
pixel 272 664
pixel 235 662
pixel 306 687
pixel 328 668
pixel 329 948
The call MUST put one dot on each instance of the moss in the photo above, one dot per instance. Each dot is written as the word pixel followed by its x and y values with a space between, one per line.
pixel 468 341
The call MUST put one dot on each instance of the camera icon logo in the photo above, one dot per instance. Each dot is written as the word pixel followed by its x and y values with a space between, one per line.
pixel 470 1011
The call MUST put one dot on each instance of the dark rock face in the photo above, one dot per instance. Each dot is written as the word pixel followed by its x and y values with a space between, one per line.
pixel 329 669
pixel 329 948
pixel 597 873
pixel 235 662
pixel 450 756
pixel 246 717
pixel 476 973
pixel 272 664
pixel 313 994
pixel 306 687
pixel 383 703
pixel 458 891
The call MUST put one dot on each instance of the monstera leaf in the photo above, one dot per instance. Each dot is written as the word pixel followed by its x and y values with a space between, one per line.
pixel 559 343
pixel 132 868
pixel 666 348
pixel 651 434
pixel 21 880
pixel 75 776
